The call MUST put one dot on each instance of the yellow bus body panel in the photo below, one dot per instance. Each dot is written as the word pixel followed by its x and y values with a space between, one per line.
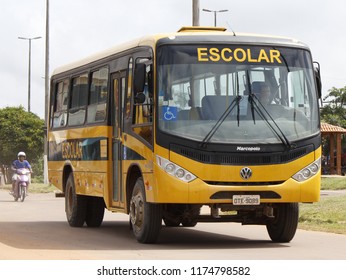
pixel 168 189
pixel 91 177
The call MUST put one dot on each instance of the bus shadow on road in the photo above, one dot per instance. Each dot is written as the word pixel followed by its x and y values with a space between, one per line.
pixel 116 235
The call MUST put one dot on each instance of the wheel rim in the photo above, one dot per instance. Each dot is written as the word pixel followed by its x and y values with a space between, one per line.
pixel 137 211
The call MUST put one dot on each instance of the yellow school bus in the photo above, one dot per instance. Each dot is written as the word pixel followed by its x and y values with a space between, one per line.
pixel 172 129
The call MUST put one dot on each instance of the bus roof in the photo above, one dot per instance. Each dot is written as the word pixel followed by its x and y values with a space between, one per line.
pixel 200 34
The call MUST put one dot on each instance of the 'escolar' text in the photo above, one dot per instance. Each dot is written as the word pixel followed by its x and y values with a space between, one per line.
pixel 238 54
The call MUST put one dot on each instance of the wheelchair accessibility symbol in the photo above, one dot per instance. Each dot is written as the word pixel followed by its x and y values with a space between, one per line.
pixel 169 113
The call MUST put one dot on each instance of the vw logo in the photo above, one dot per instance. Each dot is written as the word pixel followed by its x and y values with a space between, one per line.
pixel 245 173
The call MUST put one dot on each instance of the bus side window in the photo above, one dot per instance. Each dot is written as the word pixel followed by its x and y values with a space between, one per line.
pixel 97 107
pixel 129 89
pixel 59 112
pixel 79 100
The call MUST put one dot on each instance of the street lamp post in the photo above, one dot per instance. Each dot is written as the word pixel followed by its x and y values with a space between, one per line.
pixel 46 98
pixel 29 71
pixel 215 12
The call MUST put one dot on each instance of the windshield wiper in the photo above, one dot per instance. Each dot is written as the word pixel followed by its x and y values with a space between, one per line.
pixel 262 112
pixel 228 110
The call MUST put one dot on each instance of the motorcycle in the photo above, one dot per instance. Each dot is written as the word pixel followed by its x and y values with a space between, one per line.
pixel 22 183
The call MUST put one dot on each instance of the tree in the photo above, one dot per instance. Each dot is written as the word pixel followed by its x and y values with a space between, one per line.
pixel 21 131
pixel 335 111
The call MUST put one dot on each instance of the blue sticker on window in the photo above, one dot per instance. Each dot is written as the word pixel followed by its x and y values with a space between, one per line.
pixel 169 113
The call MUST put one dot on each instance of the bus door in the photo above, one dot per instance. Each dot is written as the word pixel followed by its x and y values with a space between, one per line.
pixel 118 89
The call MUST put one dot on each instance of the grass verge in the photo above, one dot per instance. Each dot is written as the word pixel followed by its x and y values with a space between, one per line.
pixel 328 215
pixel 35 188
pixel 333 183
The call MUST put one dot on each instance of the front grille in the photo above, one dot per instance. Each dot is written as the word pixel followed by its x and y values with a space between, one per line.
pixel 249 158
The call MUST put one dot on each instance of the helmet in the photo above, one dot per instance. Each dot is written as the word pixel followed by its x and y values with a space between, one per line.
pixel 21 154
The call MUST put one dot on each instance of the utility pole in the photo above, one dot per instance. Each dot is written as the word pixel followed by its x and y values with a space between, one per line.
pixel 195 12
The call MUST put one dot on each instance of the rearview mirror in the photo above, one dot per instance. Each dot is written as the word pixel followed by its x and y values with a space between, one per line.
pixel 317 72
pixel 139 78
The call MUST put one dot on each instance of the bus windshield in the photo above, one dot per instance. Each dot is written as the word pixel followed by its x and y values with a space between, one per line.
pixel 236 93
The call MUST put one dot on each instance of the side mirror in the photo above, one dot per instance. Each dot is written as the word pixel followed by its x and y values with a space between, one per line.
pixel 150 83
pixel 140 98
pixel 317 72
pixel 139 78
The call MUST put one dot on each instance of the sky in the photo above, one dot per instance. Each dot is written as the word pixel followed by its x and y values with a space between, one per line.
pixel 79 28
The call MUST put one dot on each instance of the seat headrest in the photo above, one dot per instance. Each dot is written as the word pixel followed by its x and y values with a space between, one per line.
pixel 258 86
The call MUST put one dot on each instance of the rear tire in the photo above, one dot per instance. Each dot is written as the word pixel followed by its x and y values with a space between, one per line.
pixel 75 205
pixel 283 228
pixel 189 223
pixel 145 218
pixel 95 211
pixel 172 222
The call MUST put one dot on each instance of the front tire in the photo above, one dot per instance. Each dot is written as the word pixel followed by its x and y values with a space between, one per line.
pixel 283 228
pixel 22 193
pixel 75 205
pixel 145 218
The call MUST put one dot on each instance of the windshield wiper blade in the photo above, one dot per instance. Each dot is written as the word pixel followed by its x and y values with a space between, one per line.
pixel 228 110
pixel 262 111
pixel 252 107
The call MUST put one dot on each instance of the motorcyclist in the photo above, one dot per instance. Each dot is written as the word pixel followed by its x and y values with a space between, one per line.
pixel 21 162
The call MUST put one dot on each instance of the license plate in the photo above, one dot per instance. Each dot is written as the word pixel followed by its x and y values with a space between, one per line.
pixel 246 199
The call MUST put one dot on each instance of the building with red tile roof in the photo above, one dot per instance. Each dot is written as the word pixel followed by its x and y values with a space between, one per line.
pixel 336 160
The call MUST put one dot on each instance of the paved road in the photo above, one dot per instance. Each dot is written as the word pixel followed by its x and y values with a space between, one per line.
pixel 332 193
pixel 37 229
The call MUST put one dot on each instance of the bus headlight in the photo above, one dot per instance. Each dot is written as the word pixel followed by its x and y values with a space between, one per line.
pixel 175 170
pixel 308 171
